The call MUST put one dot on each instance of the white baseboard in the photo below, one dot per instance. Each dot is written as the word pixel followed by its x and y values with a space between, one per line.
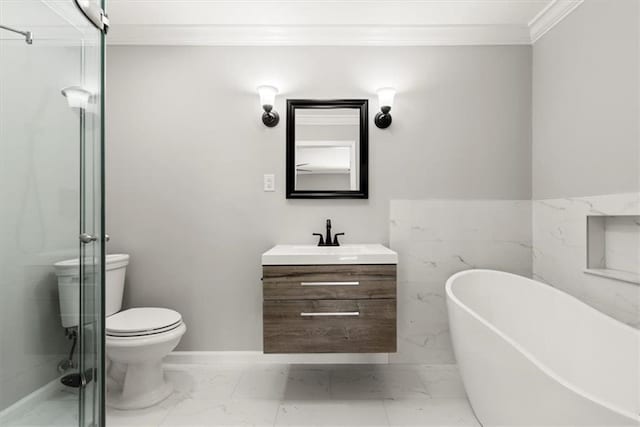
pixel 220 357
pixel 27 403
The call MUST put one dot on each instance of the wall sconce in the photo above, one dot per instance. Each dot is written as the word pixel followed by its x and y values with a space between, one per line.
pixel 77 97
pixel 385 100
pixel 270 118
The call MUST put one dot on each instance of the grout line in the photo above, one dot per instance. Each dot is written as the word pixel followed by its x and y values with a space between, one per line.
pixel 386 413
pixel 424 382
pixel 166 416
pixel 235 387
pixel 275 418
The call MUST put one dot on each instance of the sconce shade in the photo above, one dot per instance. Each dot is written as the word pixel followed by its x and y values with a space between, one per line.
pixel 77 97
pixel 386 96
pixel 268 94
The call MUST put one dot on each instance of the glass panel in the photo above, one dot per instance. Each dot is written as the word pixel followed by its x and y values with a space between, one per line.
pixel 91 224
pixel 41 134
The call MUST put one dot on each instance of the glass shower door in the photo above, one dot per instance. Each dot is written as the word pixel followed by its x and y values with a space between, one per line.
pixel 51 210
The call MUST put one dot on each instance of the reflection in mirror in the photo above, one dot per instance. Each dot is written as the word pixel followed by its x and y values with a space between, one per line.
pixel 326 156
pixel 324 149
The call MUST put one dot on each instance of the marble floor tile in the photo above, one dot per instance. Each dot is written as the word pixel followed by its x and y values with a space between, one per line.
pixel 308 382
pixel 343 413
pixel 287 395
pixel 205 381
pixel 430 412
pixel 266 381
pixel 216 413
pixel 442 381
pixel 360 382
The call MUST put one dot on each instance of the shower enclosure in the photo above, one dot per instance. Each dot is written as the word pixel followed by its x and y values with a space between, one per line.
pixel 51 209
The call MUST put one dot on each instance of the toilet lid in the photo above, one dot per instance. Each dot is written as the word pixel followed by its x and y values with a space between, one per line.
pixel 142 321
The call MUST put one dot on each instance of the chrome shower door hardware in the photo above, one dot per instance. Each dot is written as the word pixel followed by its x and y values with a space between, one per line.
pixel 28 35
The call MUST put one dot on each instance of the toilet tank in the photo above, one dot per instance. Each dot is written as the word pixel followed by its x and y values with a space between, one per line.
pixel 69 288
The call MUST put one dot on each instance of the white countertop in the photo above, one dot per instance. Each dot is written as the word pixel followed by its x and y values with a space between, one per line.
pixel 344 254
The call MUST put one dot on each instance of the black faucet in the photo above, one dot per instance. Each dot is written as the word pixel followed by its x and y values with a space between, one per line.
pixel 327 240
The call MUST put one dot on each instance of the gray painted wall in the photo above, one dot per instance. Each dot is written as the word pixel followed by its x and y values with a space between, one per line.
pixel 186 152
pixel 586 112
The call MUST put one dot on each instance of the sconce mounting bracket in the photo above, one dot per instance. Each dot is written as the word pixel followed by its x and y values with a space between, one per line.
pixel 270 118
pixel 383 120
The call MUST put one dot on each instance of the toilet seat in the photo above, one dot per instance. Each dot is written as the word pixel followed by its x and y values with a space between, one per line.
pixel 142 321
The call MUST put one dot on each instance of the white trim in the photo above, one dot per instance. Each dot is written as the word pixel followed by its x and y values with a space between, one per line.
pixel 334 22
pixel 318 35
pixel 551 16
pixel 241 357
pixel 27 403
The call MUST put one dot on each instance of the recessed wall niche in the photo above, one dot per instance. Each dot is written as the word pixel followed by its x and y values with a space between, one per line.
pixel 613 247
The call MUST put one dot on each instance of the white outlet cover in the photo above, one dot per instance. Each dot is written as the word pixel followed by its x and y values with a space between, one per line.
pixel 269 182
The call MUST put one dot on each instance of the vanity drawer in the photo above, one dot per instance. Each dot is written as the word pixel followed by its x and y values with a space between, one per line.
pixel 330 326
pixel 298 282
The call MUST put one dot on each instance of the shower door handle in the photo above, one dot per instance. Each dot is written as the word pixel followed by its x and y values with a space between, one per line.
pixel 87 238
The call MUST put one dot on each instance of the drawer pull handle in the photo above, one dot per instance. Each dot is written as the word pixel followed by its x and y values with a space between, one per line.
pixel 330 283
pixel 341 313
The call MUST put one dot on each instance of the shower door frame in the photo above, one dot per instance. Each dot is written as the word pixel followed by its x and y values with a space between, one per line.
pixel 92 250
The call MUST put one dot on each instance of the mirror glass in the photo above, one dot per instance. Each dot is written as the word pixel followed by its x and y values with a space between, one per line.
pixel 326 151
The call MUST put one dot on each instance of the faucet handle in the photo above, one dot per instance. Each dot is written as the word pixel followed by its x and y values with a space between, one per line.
pixel 321 242
pixel 335 239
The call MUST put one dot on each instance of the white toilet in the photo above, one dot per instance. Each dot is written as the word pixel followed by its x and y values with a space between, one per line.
pixel 137 339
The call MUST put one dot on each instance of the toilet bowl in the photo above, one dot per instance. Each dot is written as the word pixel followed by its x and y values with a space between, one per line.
pixel 137 339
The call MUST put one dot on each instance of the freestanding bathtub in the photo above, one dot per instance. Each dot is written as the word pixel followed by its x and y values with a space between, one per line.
pixel 531 355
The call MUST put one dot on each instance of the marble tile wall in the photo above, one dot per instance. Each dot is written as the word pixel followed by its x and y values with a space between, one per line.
pixel 437 238
pixel 622 243
pixel 560 252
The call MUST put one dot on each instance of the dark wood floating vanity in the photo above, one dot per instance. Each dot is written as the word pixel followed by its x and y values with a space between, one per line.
pixel 316 307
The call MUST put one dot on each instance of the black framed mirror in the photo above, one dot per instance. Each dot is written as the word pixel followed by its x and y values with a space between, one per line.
pixel 327 149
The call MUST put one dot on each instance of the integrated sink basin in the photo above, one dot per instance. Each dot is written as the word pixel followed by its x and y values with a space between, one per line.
pixel 329 255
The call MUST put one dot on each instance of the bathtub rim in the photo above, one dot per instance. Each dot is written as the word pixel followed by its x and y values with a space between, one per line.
pixel 537 363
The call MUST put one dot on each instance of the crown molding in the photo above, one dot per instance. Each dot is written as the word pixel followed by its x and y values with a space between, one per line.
pixel 319 35
pixel 551 16
pixel 334 22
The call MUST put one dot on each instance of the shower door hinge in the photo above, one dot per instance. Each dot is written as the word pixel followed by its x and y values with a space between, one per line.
pixel 94 13
pixel 105 21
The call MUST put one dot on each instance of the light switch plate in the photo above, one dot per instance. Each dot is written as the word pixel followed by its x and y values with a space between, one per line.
pixel 269 182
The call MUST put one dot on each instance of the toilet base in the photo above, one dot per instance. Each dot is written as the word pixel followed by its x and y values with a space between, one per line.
pixel 136 386
pixel 135 377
